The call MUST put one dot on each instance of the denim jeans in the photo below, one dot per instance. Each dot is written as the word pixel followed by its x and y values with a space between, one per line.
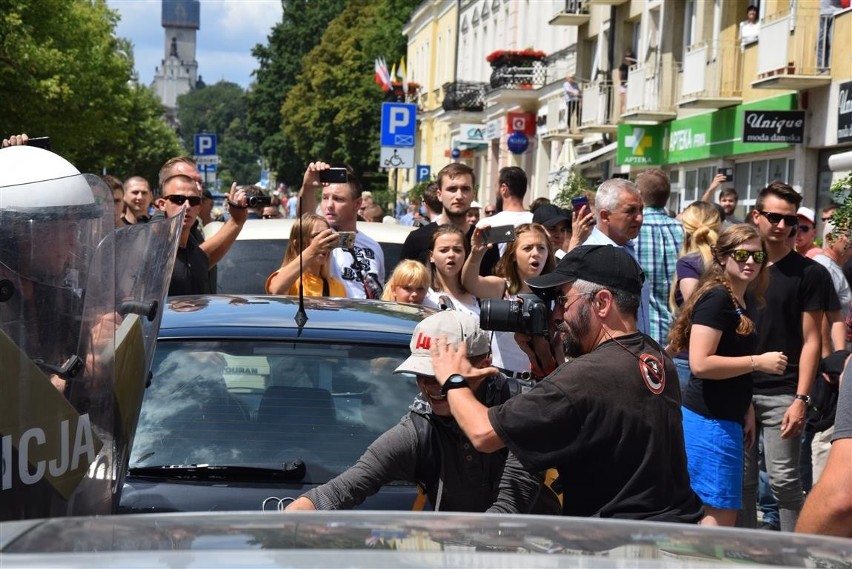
pixel 782 464
pixel 682 366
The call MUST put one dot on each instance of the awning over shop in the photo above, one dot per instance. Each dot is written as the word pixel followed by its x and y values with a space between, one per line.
pixel 596 156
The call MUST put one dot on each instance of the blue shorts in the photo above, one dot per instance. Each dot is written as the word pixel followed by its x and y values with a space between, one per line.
pixel 714 456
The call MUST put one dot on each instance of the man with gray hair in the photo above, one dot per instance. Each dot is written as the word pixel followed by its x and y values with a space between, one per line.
pixel 619 216
pixel 657 248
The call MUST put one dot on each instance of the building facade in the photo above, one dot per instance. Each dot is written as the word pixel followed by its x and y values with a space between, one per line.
pixel 677 84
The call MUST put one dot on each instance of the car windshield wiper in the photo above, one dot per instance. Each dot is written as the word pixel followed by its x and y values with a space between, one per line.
pixel 288 472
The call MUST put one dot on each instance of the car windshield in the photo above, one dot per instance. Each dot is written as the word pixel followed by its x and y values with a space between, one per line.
pixel 249 262
pixel 256 403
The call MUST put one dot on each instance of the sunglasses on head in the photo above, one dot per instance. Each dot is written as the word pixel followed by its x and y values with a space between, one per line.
pixel 742 255
pixel 178 199
pixel 775 218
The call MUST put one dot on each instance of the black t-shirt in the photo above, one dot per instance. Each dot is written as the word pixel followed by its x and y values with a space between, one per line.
pixel 726 399
pixel 416 247
pixel 796 285
pixel 612 429
pixel 190 275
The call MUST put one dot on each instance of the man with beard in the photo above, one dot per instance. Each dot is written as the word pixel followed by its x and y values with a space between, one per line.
pixel 608 420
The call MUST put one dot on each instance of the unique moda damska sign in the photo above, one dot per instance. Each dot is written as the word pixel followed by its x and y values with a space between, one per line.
pixel 774 126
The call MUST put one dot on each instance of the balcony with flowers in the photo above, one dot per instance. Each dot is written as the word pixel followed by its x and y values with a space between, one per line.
pixel 517 69
pixel 403 94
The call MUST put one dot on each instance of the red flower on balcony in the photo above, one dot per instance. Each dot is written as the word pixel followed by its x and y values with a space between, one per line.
pixel 505 56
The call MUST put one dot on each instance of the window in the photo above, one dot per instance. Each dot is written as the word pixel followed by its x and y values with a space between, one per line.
pixel 248 403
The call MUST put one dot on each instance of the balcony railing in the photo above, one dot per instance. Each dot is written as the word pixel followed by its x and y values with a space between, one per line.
pixel 794 51
pixel 530 75
pixel 596 110
pixel 650 93
pixel 464 96
pixel 712 75
pixel 575 13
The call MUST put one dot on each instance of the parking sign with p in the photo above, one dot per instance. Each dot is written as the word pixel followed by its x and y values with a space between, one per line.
pixel 399 124
pixel 205 144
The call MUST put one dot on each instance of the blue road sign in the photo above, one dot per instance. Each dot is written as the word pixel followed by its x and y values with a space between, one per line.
pixel 423 172
pixel 205 144
pixel 399 124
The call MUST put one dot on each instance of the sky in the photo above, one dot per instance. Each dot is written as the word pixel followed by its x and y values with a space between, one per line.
pixel 229 30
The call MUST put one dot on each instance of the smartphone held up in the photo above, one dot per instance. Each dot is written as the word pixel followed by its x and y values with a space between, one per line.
pixel 499 234
pixel 334 176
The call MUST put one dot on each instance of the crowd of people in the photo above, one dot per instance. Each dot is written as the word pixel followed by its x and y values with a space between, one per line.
pixel 675 347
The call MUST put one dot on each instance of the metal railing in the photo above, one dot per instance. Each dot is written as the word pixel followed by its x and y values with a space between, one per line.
pixel 464 96
pixel 531 75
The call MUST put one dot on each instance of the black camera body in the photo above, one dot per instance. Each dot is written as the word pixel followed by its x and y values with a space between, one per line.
pixel 258 201
pixel 529 314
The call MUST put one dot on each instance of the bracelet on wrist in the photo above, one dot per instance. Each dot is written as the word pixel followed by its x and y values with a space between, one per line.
pixel 805 398
pixel 752 364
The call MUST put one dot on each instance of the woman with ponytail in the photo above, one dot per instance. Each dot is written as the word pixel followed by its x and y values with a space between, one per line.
pixel 714 324
pixel 701 227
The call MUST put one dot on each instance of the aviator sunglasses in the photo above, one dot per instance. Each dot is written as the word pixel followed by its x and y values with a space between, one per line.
pixel 178 199
pixel 742 255
pixel 775 218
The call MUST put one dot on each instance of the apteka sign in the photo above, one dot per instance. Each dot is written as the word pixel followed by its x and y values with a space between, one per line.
pixel 774 126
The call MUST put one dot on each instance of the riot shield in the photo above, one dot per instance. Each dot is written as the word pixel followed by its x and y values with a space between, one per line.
pixel 79 315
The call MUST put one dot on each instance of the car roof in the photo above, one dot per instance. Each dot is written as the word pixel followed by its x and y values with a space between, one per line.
pixel 216 316
pixel 255 229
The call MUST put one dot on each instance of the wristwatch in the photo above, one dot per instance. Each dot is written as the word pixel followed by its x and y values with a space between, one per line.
pixel 805 398
pixel 454 382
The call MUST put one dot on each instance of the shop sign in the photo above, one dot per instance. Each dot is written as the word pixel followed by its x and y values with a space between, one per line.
pixel 521 122
pixel 471 134
pixel 844 113
pixel 492 129
pixel 640 145
pixel 707 136
pixel 774 126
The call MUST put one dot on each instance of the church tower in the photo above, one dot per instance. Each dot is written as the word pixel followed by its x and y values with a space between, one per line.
pixel 178 72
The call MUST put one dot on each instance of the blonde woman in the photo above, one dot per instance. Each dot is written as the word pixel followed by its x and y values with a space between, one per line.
pixel 311 238
pixel 701 227
pixel 408 283
pixel 718 418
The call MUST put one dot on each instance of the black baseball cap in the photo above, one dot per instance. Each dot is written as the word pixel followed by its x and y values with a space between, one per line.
pixel 206 194
pixel 549 215
pixel 608 266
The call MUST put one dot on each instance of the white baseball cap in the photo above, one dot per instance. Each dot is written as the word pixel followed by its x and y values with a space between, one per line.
pixel 457 326
pixel 807 213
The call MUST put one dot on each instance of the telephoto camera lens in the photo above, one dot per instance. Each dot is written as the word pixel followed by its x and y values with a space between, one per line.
pixel 501 315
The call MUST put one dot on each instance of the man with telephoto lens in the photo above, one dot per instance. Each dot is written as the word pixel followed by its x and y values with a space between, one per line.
pixel 609 420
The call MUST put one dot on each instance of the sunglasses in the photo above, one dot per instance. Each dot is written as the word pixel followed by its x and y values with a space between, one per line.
pixel 805 228
pixel 775 218
pixel 489 212
pixel 178 199
pixel 827 218
pixel 742 255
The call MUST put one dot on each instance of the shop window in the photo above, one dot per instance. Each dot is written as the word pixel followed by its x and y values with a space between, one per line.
pixel 689 189
pixel 778 169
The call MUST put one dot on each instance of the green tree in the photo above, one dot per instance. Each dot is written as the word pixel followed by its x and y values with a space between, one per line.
pixel 221 109
pixel 279 64
pixel 333 112
pixel 65 75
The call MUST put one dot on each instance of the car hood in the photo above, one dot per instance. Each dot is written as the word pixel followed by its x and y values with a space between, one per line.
pixel 394 539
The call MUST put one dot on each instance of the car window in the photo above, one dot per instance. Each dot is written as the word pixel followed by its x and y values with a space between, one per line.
pixel 267 403
pixel 249 263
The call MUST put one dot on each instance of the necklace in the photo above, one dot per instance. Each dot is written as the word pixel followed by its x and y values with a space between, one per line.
pixel 653 370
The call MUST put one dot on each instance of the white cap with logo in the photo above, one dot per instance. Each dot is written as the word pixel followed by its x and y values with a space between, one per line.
pixel 457 327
